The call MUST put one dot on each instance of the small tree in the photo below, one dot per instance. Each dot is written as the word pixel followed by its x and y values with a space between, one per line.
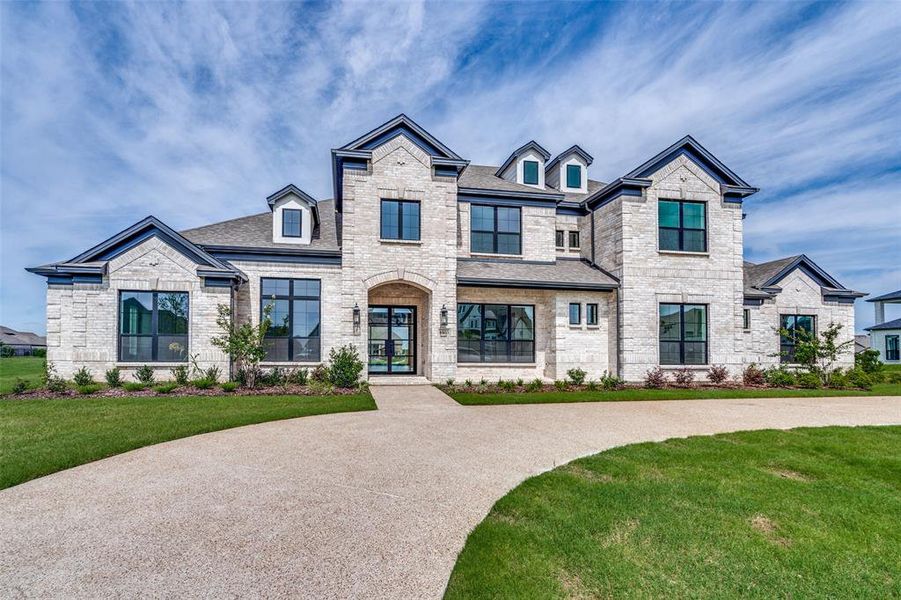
pixel 243 342
pixel 818 353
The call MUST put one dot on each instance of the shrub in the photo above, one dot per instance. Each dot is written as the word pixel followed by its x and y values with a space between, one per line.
pixel 39 352
pixel 483 382
pixel 507 386
pixel 868 361
pixel 245 343
pixel 753 375
pixel 180 373
pixel 684 376
pixel 20 386
pixel 321 387
pixel 298 377
pixel 591 385
pixel 561 384
pixel 449 382
pixel 83 377
pixel 468 383
pixel 165 388
pixel 718 374
pixel 6 351
pixel 859 378
pixel 519 382
pixel 818 352
pixel 113 377
pixel 838 379
pixel 535 385
pixel 52 381
pixel 144 374
pixel 88 389
pixel 319 374
pixel 244 375
pixel 609 381
pixel 780 377
pixel 203 384
pixel 894 377
pixel 229 386
pixel 655 378
pixel 345 366
pixel 212 373
pixel 576 376
pixel 133 386
pixel 809 380
pixel 272 377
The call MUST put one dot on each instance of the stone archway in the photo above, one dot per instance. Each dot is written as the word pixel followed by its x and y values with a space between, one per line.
pixel 410 334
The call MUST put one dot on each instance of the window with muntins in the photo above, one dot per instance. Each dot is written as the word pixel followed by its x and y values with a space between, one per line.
pixel 291 222
pixel 892 351
pixel 294 331
pixel 559 238
pixel 495 230
pixel 530 172
pixel 591 314
pixel 794 328
pixel 495 333
pixel 153 326
pixel 575 313
pixel 573 176
pixel 683 334
pixel 574 240
pixel 682 225
pixel 400 220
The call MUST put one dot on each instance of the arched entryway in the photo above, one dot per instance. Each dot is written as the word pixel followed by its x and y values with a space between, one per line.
pixel 397 329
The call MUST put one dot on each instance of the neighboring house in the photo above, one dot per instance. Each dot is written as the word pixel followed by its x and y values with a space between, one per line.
pixel 885 336
pixel 23 343
pixel 432 266
pixel 861 343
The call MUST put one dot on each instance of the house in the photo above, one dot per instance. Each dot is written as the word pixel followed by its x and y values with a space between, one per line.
pixel 438 268
pixel 885 335
pixel 861 343
pixel 22 343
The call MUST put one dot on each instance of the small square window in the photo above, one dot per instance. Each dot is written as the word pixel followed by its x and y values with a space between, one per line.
pixel 573 176
pixel 574 239
pixel 530 172
pixel 559 238
pixel 575 313
pixel 291 220
pixel 591 314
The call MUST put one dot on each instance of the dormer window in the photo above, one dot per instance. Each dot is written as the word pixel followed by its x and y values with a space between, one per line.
pixel 574 176
pixel 530 172
pixel 291 222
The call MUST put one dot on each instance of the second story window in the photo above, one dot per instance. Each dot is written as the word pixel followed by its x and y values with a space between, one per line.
pixel 400 220
pixel 559 238
pixel 573 176
pixel 291 221
pixel 683 225
pixel 530 172
pixel 495 230
pixel 591 314
pixel 575 313
pixel 573 240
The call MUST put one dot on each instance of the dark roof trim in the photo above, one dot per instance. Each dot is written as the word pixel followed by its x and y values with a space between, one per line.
pixel 401 121
pixel 893 324
pixel 283 255
pixel 812 269
pixel 574 149
pixel 890 297
pixel 571 208
pixel 540 285
pixel 530 145
pixel 613 190
pixel 518 198
pixel 293 189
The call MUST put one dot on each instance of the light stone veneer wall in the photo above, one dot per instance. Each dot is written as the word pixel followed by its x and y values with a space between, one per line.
pixel 567 223
pixel 538 227
pixel 82 327
pixel 800 295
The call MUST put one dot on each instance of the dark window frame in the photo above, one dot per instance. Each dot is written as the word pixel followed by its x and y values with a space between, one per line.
pixel 291 297
pixel 537 172
pixel 154 326
pixel 591 313
pixel 578 306
pixel 682 341
pixel 299 212
pixel 681 229
pixel 574 235
pixel 400 220
pixel 893 353
pixel 509 341
pixel 746 319
pixel 573 169
pixel 787 345
pixel 560 238
pixel 495 232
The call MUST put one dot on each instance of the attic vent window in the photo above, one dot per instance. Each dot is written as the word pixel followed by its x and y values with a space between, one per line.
pixel 291 219
pixel 530 172
pixel 573 176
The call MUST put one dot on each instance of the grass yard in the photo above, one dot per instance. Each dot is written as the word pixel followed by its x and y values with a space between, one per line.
pixel 475 398
pixel 40 436
pixel 29 368
pixel 806 513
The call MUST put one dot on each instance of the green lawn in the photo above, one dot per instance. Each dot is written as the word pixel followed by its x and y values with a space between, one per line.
pixel 28 368
pixel 38 437
pixel 806 513
pixel 475 398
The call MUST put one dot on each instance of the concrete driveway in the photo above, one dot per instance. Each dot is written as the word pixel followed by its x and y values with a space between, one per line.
pixel 374 504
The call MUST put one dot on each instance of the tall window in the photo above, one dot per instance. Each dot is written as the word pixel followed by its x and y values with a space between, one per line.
pixel 496 230
pixel 683 334
pixel 495 333
pixel 294 332
pixel 795 327
pixel 682 225
pixel 573 239
pixel 559 239
pixel 530 172
pixel 153 326
pixel 892 351
pixel 591 314
pixel 291 220
pixel 400 220
pixel 746 319
pixel 573 176
pixel 575 313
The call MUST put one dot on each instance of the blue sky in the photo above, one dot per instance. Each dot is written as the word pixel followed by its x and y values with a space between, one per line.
pixel 196 112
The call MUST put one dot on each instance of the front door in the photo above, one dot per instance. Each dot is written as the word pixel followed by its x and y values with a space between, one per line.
pixel 392 340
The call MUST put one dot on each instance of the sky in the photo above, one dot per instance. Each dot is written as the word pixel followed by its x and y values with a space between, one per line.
pixel 195 112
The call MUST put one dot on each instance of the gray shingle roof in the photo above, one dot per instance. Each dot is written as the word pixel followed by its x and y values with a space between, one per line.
pixel 890 297
pixel 483 177
pixel 562 274
pixel 255 231
pixel 12 337
pixel 757 275
pixel 894 324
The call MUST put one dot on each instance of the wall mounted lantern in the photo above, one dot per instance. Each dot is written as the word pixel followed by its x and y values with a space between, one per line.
pixel 356 318
pixel 443 321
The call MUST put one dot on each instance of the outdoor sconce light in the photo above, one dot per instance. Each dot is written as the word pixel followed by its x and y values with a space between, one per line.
pixel 443 330
pixel 356 318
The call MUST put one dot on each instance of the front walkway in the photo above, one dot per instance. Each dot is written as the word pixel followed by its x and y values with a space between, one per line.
pixel 371 504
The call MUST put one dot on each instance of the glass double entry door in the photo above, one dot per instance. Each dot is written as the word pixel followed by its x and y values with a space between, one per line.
pixel 392 340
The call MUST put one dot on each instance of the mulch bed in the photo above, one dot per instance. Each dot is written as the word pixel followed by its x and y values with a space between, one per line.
pixel 280 390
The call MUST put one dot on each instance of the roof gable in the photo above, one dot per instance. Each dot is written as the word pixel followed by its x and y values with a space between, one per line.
pixel 401 124
pixel 530 145
pixel 574 149
pixel 293 190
